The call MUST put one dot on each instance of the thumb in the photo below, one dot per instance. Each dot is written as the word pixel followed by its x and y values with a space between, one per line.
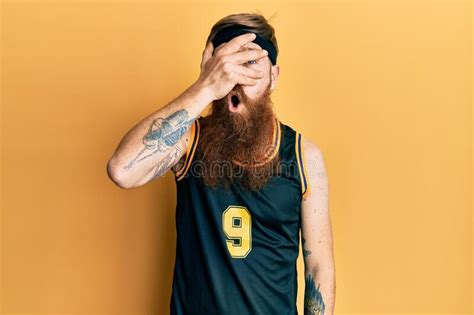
pixel 207 53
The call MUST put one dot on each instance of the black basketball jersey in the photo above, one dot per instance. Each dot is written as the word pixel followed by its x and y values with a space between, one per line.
pixel 237 249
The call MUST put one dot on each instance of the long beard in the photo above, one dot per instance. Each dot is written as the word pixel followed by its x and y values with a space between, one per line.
pixel 242 136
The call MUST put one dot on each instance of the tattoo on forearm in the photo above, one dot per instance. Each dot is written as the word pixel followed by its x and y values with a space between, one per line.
pixel 306 252
pixel 167 163
pixel 162 134
pixel 313 299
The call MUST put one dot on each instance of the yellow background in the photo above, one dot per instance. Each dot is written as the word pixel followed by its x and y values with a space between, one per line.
pixel 383 87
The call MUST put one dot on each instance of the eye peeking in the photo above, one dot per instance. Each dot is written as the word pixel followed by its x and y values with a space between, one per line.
pixel 250 61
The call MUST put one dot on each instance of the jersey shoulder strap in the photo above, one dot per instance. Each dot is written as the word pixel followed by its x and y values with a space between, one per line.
pixel 191 149
pixel 301 161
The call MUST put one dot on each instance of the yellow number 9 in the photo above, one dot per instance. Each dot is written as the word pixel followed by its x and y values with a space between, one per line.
pixel 237 223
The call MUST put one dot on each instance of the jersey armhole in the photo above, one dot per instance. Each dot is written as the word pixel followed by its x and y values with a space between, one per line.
pixel 302 167
pixel 190 149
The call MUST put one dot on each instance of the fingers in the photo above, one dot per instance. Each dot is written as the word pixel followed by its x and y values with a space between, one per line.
pixel 244 80
pixel 248 72
pixel 242 75
pixel 244 56
pixel 235 43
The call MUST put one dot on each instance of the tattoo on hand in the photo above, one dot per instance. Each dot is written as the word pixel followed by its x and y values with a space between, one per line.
pixel 162 134
pixel 313 299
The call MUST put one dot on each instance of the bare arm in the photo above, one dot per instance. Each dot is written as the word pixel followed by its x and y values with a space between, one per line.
pixel 317 240
pixel 157 143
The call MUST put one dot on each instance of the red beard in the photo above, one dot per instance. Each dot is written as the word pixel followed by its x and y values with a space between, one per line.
pixel 237 146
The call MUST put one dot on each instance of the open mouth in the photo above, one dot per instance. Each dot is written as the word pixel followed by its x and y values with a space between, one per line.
pixel 235 100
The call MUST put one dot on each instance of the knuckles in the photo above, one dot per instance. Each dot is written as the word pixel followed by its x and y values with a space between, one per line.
pixel 224 59
pixel 226 66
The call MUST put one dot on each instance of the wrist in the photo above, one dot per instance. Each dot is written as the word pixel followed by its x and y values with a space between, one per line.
pixel 202 91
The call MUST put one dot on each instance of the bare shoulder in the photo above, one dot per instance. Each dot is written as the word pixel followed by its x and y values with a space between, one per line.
pixel 315 168
pixel 312 150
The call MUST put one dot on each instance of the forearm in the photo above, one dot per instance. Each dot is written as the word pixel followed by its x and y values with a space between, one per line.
pixel 320 287
pixel 152 143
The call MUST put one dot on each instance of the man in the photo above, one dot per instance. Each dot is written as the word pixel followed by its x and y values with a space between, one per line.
pixel 246 184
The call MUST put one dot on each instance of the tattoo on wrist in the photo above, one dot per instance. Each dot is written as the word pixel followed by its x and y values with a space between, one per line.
pixel 162 134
